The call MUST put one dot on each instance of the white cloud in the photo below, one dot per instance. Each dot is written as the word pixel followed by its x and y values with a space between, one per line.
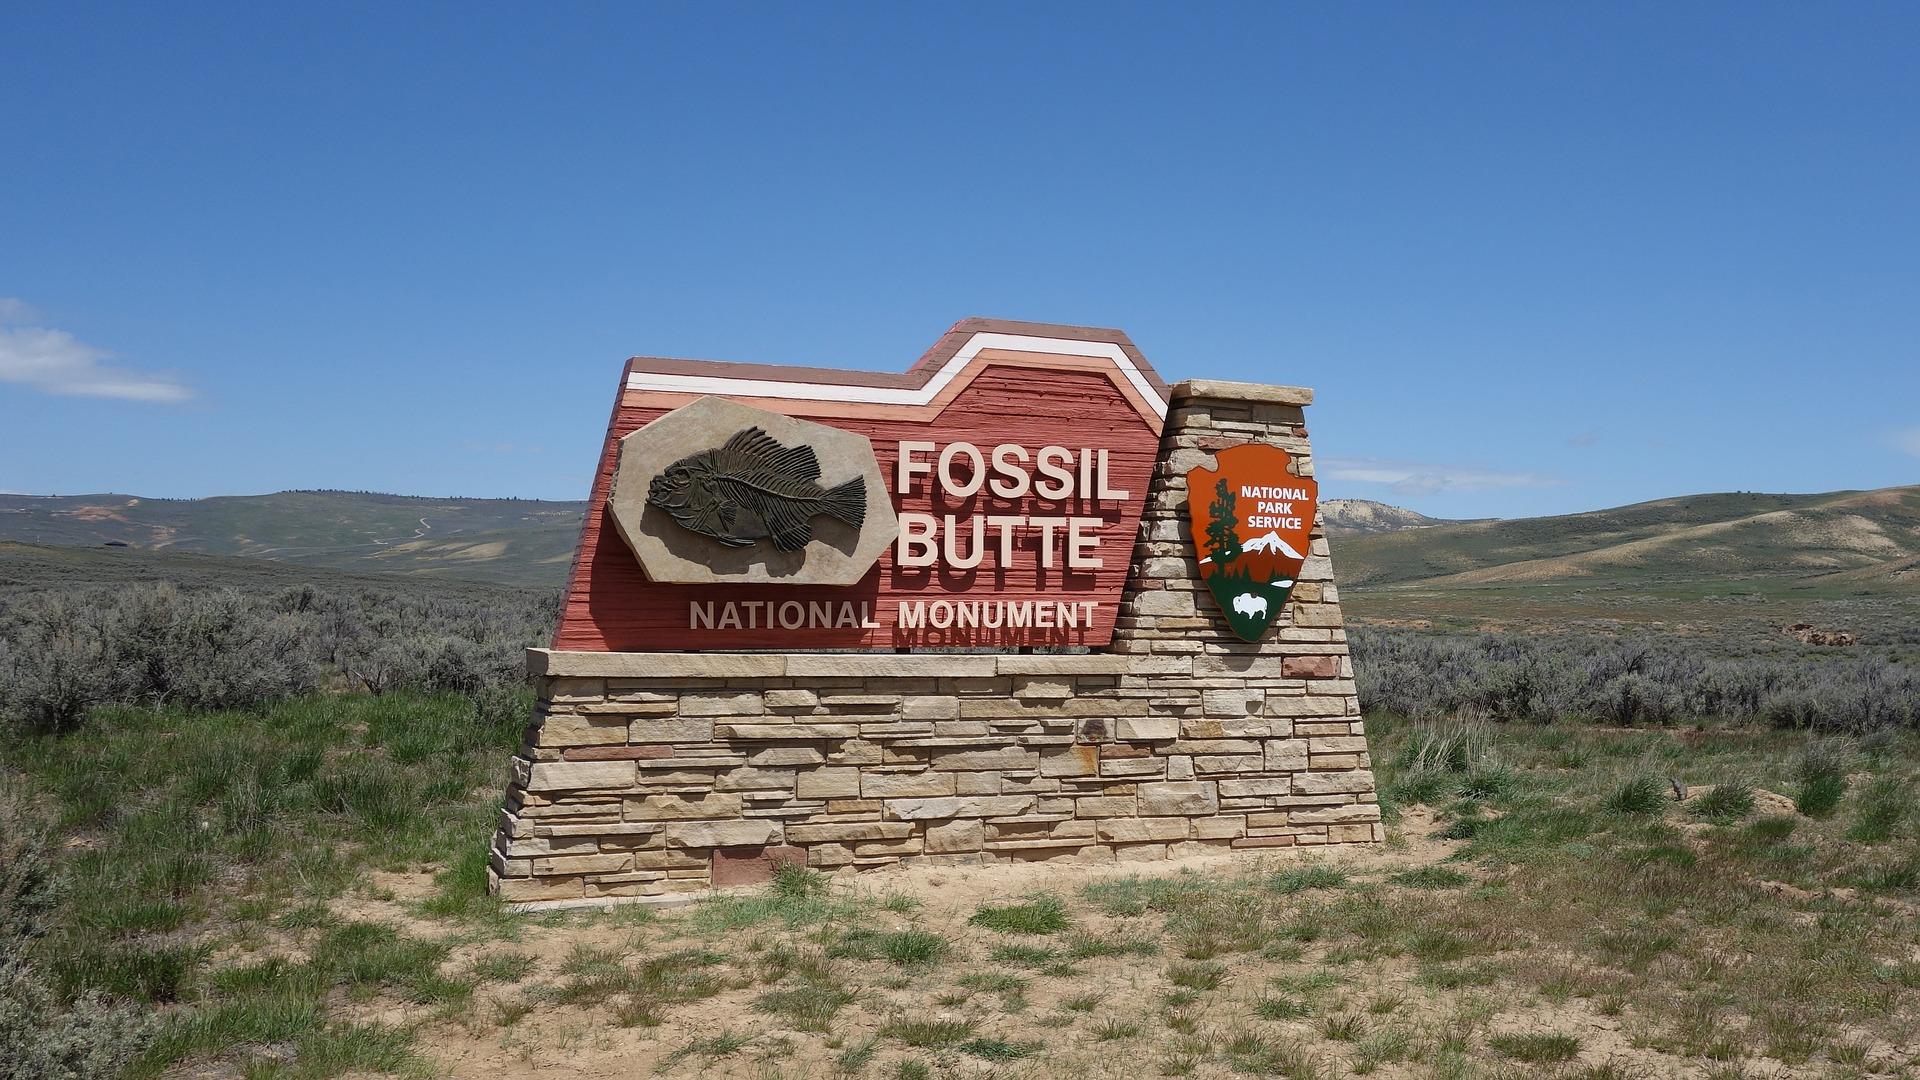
pixel 56 362
pixel 1419 478
pixel 1907 442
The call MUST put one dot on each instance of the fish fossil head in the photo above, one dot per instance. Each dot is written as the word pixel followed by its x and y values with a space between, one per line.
pixel 677 489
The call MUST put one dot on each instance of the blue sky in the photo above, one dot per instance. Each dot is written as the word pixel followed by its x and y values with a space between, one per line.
pixel 1534 258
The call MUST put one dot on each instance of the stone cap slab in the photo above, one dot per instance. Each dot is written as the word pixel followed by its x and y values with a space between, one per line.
pixel 564 663
pixel 1222 390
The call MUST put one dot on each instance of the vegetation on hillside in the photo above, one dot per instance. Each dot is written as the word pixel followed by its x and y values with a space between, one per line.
pixel 1637 679
pixel 520 541
pixel 298 891
pixel 243 828
pixel 65 652
pixel 1868 539
pixel 206 851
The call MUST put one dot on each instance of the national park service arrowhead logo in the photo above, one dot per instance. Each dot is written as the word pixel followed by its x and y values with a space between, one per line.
pixel 1252 524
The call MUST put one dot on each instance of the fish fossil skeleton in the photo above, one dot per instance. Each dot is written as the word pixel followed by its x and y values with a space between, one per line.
pixel 754 487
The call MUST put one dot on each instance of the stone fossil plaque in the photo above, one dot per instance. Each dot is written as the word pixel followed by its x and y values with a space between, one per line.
pixel 717 491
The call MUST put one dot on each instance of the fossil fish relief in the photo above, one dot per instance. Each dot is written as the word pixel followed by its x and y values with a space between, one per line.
pixel 753 487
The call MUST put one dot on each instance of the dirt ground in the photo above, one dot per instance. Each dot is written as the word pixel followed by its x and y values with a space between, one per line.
pixel 1111 1016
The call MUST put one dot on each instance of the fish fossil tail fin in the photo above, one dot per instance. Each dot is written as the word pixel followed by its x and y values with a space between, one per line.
pixel 848 502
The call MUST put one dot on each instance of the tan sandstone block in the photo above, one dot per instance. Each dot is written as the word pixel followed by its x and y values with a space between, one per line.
pixel 1100 806
pixel 582 864
pixel 743 832
pixel 1286 755
pixel 1142 829
pixel 1182 799
pixel 748 778
pixel 1227 703
pixel 977 783
pixel 956 836
pixel 1219 828
pixel 786 755
pixel 848 831
pixel 1114 765
pixel 577 775
pixel 1228 763
pixel 1039 688
pixel 568 729
pixel 786 731
pixel 879 785
pixel 1332 782
pixel 929 708
pixel 678 807
pixel 527 890
pixel 973 807
pixel 1338 744
pixel 1269 785
pixel 828 783
pixel 1278 705
pixel 1316 615
pixel 1012 757
pixel 1146 728
pixel 1081 760
pixel 743 704
pixel 670 731
pixel 1340 815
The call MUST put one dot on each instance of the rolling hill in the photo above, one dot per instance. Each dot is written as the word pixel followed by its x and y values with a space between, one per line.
pixel 517 541
pixel 1866 539
pixel 1733 569
pixel 1856 541
pixel 1354 517
pixel 29 568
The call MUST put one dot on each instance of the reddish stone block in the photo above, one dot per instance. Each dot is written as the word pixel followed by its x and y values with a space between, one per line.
pixel 617 753
pixel 753 865
pixel 1311 667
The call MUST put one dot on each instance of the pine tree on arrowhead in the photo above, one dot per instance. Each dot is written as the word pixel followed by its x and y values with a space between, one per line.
pixel 1223 543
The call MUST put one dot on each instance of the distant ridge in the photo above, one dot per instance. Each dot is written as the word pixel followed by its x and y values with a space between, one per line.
pixel 1859 541
pixel 1354 517
pixel 1869 540
pixel 515 541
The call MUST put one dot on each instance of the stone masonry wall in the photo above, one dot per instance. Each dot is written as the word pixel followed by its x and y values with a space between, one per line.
pixel 654 776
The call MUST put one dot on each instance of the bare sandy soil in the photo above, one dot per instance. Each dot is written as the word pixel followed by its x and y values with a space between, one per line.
pixel 1099 1016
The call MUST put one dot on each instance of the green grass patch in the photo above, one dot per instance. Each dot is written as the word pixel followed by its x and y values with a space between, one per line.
pixel 997 1049
pixel 1303 878
pixel 1642 794
pixel 927 1032
pixel 1039 915
pixel 1430 877
pixel 1881 806
pixel 1726 803
pixel 902 948
pixel 1539 1048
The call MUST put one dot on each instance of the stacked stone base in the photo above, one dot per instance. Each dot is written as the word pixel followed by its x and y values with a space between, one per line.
pixel 656 776
pixel 651 776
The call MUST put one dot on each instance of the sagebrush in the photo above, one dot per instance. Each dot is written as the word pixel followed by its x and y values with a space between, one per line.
pixel 1644 679
pixel 64 653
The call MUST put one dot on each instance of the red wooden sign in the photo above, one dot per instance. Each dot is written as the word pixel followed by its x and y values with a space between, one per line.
pixel 1017 456
pixel 1252 522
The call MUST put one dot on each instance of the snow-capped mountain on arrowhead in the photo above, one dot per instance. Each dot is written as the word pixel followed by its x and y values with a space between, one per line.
pixel 1270 543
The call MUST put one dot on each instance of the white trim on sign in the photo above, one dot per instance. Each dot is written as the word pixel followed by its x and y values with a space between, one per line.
pixel 884 395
